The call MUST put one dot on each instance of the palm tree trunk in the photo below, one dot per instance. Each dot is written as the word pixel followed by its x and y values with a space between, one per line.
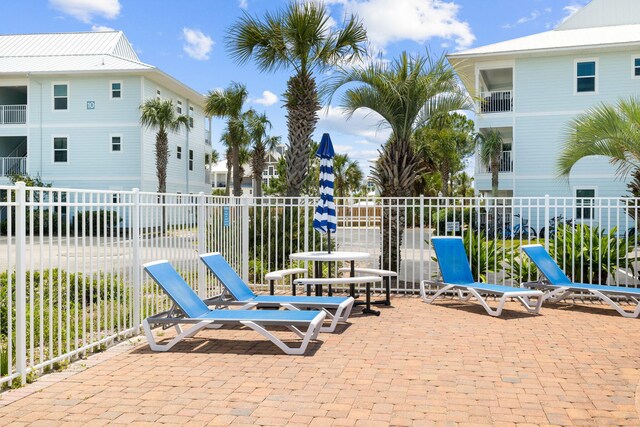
pixel 302 107
pixel 395 172
pixel 162 160
pixel 228 185
pixel 237 171
pixel 495 171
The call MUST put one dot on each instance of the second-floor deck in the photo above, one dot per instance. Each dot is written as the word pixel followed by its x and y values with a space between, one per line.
pixel 13 114
pixel 496 101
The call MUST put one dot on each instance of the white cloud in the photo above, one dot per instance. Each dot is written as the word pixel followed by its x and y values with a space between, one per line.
pixel 534 15
pixel 363 124
pixel 243 4
pixel 268 98
pixel 571 10
pixel 197 44
pixel 95 27
pixel 85 10
pixel 389 21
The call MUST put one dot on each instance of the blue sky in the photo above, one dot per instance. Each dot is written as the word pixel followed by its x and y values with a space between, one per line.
pixel 186 39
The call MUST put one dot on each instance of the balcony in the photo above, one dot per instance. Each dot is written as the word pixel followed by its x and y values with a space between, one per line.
pixel 496 101
pixel 13 114
pixel 506 164
pixel 13 165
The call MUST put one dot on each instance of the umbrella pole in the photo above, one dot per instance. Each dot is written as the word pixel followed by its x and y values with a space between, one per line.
pixel 329 239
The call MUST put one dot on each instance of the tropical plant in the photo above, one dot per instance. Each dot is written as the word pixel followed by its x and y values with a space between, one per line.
pixel 462 185
pixel 408 93
pixel 347 175
pixel 605 130
pixel 446 142
pixel 161 115
pixel 261 144
pixel 303 37
pixel 591 254
pixel 490 142
pixel 228 104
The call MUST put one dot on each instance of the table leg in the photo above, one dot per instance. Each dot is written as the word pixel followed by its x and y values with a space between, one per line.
pixel 367 308
pixel 329 291
pixel 352 286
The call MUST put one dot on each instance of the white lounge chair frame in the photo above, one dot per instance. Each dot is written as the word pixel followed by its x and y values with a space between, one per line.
pixel 459 290
pixel 166 320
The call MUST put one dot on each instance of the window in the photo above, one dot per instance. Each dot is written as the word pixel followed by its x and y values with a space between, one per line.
pixel 60 97
pixel 60 150
pixel 116 143
pixel 585 76
pixel 190 116
pixel 190 160
pixel 158 93
pixel 116 90
pixel 636 67
pixel 584 203
pixel 179 152
pixel 271 170
pixel 179 107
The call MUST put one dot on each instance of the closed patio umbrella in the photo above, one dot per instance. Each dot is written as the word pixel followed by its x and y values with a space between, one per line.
pixel 324 219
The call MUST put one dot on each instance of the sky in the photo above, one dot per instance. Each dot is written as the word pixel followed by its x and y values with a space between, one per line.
pixel 186 39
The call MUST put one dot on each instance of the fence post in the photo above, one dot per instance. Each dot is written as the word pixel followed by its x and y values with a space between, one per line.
pixel 21 282
pixel 306 224
pixel 546 221
pixel 422 237
pixel 202 246
pixel 137 279
pixel 245 239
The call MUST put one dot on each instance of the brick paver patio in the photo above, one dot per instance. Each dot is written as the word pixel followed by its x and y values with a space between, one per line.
pixel 416 364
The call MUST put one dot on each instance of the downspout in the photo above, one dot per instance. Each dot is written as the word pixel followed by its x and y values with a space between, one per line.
pixel 188 105
pixel 29 127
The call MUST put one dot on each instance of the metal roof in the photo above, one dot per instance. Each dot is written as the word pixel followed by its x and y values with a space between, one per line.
pixel 559 40
pixel 67 44
pixel 88 52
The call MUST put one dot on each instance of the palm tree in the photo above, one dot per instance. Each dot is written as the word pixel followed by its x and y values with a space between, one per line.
pixel 161 115
pixel 301 37
pixel 347 175
pixel 462 185
pixel 490 143
pixel 605 130
pixel 257 125
pixel 228 104
pixel 407 93
pixel 446 142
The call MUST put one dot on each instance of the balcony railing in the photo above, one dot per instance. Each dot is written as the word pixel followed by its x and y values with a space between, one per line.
pixel 506 164
pixel 13 114
pixel 496 102
pixel 13 165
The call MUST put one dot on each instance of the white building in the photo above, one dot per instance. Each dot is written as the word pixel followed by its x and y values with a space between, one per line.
pixel 69 113
pixel 219 172
pixel 530 89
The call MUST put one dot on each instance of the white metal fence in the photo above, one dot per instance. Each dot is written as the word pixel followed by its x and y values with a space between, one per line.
pixel 70 260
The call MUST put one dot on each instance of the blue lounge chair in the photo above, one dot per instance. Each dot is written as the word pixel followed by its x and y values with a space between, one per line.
pixel 240 292
pixel 457 276
pixel 189 308
pixel 558 286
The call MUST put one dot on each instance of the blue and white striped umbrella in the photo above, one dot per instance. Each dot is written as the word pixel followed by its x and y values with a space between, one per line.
pixel 325 220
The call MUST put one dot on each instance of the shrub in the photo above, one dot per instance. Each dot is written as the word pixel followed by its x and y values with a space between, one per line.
pixel 97 223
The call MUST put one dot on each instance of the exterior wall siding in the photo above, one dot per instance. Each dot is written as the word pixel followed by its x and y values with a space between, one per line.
pixel 91 162
pixel 545 103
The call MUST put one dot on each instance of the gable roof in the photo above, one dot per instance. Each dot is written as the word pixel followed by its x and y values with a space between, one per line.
pixel 85 52
pixel 601 23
